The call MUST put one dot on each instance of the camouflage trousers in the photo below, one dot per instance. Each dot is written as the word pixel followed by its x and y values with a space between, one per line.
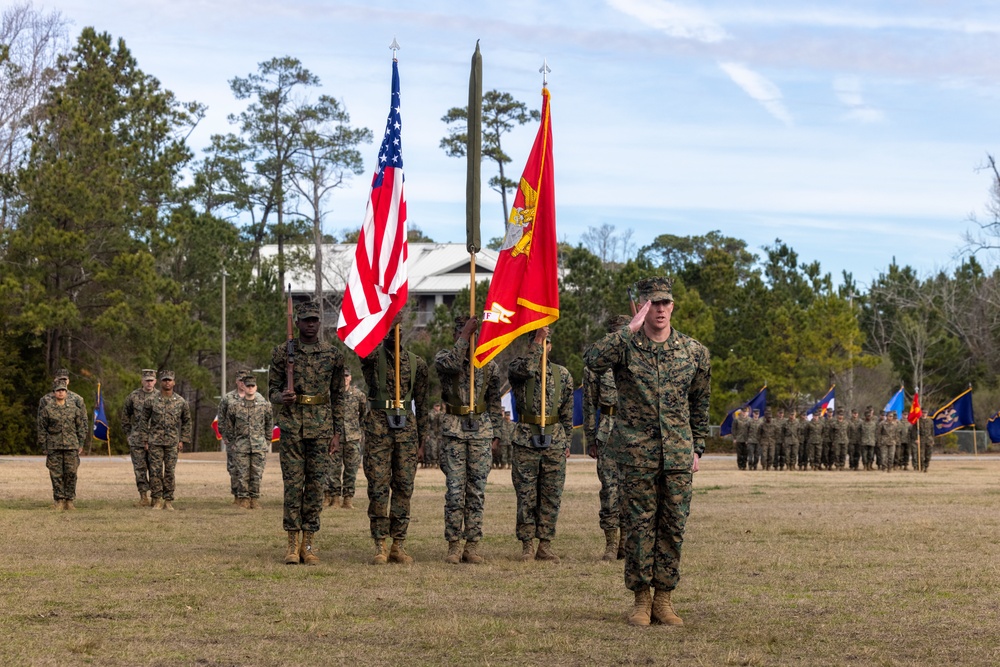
pixel 248 470
pixel 903 454
pixel 753 455
pixel 925 456
pixel 867 455
pixel 343 477
pixel 466 464
pixel 741 455
pixel 432 452
pixel 390 467
pixel 659 502
pixel 791 455
pixel 539 476
pixel 140 465
pixel 304 464
pixel 62 465
pixel 611 514
pixel 231 468
pixel 768 452
pixel 839 454
pixel 854 455
pixel 815 455
pixel 162 465
pixel 888 456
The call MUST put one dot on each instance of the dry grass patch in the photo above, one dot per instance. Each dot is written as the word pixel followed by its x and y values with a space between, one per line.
pixel 780 568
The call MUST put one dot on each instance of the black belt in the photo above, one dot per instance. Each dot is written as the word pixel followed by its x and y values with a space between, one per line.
pixel 608 410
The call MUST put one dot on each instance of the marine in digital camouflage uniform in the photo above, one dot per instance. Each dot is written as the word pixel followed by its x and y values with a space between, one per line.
pixel 248 426
pixel 868 435
pixel 71 396
pixel 839 436
pixel 768 440
pixel 600 400
pixel 164 428
pixel 790 431
pixel 854 440
pixel 432 446
pixel 310 420
pixel 888 440
pixel 507 429
pixel 664 383
pixel 753 439
pixel 131 416
pixel 234 395
pixel 902 460
pixel 469 439
pixel 814 442
pixel 924 429
pixel 538 468
pixel 391 454
pixel 62 433
pixel 741 423
pixel 826 453
pixel 344 463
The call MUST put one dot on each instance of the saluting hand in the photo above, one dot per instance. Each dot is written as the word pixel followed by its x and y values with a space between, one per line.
pixel 639 317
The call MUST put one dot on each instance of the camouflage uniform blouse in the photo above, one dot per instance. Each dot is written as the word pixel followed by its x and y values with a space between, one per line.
pixel 663 395
pixel 452 365
pixel 166 421
pixel 355 409
pixel 318 371
pixel 61 426
pixel 519 372
pixel 249 424
pixel 132 415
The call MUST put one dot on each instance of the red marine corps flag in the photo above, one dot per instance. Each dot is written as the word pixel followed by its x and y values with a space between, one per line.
pixel 524 291
pixel 377 286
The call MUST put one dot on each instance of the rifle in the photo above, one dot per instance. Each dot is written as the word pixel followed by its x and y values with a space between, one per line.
pixel 631 302
pixel 290 347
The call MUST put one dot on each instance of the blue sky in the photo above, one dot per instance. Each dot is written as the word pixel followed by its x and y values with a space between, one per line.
pixel 851 130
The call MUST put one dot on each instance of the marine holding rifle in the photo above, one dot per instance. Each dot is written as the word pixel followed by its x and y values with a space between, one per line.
pixel 541 445
pixel 471 431
pixel 396 429
pixel 307 379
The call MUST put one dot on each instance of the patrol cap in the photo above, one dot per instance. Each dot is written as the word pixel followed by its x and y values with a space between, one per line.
pixel 347 372
pixel 246 376
pixel 655 289
pixel 148 373
pixel 61 374
pixel 166 375
pixel 59 384
pixel 307 309
pixel 249 380
pixel 840 411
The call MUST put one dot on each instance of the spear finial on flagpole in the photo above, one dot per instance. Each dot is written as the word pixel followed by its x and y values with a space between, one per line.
pixel 394 46
pixel 544 71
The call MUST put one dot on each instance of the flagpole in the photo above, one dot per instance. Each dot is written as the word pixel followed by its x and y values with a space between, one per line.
pixel 473 195
pixel 545 360
pixel 398 404
pixel 472 340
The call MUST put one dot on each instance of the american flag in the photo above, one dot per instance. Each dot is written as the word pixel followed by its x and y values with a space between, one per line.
pixel 376 286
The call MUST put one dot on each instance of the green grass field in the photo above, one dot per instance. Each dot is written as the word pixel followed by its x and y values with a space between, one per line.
pixel 779 568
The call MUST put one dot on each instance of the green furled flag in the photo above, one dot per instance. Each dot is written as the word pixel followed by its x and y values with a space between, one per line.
pixel 474 154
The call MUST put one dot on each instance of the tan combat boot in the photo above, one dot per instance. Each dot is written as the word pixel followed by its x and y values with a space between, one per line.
pixel 454 556
pixel 254 504
pixel 68 505
pixel 143 499
pixel 397 554
pixel 236 500
pixel 348 504
pixel 57 505
pixel 380 557
pixel 641 609
pixel 168 505
pixel 527 550
pixel 471 554
pixel 545 552
pixel 292 554
pixel 610 545
pixel 307 550
pixel 335 502
pixel 663 611
pixel 157 504
pixel 244 503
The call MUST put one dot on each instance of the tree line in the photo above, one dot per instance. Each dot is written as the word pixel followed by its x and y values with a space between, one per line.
pixel 115 234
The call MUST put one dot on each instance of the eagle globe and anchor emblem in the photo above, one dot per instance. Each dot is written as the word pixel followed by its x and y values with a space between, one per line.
pixel 517 239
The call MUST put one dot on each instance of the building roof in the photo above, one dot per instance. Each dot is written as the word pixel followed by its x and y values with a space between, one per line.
pixel 432 268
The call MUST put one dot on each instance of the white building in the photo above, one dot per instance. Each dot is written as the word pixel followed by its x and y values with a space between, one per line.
pixel 436 273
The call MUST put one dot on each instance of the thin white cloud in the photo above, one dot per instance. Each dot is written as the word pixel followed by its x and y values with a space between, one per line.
pixel 829 17
pixel 848 91
pixel 672 18
pixel 759 88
